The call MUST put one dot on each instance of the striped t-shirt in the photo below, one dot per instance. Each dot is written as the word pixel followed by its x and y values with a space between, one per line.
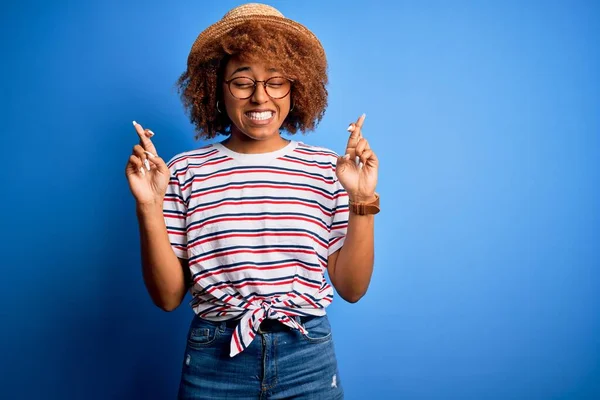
pixel 256 230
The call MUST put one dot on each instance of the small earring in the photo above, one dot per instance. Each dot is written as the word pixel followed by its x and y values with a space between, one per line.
pixel 291 109
pixel 219 111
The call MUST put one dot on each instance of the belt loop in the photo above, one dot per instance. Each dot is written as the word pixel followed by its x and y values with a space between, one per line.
pixel 298 319
pixel 223 326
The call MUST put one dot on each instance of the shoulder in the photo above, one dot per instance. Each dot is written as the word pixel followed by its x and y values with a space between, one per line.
pixel 317 152
pixel 183 160
pixel 319 160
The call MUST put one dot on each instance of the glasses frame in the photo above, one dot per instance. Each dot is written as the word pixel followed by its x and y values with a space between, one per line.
pixel 264 83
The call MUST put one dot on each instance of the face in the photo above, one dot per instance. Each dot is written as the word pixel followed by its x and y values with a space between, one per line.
pixel 260 116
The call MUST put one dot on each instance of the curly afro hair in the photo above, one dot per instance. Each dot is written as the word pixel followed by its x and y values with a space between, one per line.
pixel 296 56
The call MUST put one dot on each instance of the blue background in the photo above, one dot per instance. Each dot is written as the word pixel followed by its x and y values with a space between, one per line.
pixel 484 116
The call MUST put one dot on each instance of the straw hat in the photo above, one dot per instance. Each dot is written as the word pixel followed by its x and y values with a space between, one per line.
pixel 250 12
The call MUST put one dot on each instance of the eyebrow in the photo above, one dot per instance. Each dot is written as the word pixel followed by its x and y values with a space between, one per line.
pixel 247 68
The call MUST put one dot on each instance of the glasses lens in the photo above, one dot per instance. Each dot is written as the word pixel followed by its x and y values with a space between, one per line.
pixel 278 87
pixel 241 88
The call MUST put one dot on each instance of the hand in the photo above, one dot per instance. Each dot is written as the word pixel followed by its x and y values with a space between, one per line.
pixel 148 175
pixel 359 179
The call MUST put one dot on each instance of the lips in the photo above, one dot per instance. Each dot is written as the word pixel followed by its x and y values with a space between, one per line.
pixel 260 115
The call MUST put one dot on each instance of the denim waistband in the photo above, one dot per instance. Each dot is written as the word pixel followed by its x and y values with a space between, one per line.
pixel 271 325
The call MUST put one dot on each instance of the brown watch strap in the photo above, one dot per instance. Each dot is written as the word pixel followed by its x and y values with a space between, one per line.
pixel 361 208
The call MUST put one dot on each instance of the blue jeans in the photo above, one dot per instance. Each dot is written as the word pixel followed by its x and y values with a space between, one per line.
pixel 278 364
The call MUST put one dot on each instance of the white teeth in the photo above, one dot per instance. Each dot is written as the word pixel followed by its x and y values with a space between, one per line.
pixel 260 115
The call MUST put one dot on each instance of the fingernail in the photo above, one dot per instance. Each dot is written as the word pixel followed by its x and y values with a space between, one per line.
pixel 147 164
pixel 357 160
pixel 350 128
pixel 149 154
pixel 150 133
pixel 360 165
pixel 364 115
pixel 347 157
pixel 134 123
pixel 142 171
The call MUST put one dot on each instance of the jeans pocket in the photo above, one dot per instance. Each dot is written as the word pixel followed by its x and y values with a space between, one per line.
pixel 318 330
pixel 202 333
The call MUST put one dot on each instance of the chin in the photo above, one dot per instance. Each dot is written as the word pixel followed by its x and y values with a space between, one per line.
pixel 260 132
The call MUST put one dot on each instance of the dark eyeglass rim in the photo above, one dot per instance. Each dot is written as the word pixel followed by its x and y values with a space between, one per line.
pixel 228 82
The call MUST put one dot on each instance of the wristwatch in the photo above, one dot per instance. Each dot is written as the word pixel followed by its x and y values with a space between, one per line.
pixel 362 208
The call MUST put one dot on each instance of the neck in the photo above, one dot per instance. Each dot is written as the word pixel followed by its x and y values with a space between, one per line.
pixel 242 143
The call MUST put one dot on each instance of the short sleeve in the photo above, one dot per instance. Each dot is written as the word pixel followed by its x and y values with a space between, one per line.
pixel 339 218
pixel 175 213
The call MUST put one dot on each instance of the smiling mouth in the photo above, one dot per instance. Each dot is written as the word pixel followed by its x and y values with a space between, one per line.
pixel 259 116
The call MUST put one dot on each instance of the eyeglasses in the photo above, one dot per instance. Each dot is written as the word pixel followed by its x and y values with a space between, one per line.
pixel 242 87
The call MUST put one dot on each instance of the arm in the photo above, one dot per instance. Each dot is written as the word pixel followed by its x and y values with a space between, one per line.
pixel 351 267
pixel 167 278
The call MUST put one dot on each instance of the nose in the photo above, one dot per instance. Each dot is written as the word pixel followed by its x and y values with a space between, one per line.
pixel 260 95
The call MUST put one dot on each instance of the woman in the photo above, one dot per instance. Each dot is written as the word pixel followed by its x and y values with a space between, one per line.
pixel 250 225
